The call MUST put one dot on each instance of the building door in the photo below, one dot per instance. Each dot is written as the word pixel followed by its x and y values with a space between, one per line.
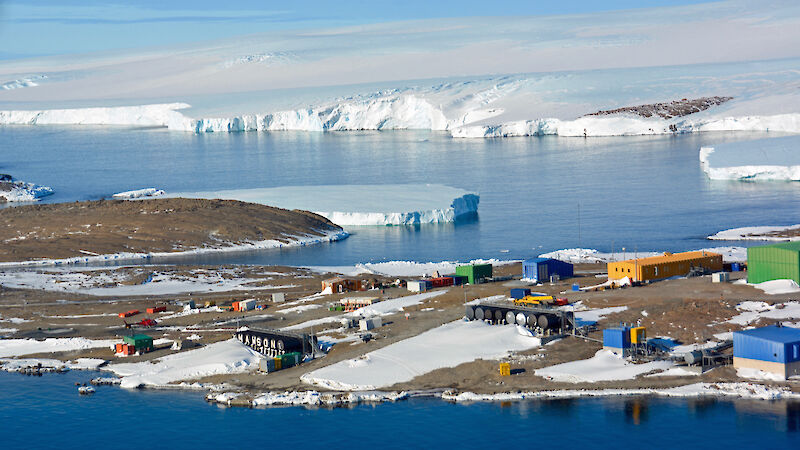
pixel 544 274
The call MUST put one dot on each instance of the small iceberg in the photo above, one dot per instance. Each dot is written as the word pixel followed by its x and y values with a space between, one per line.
pixel 12 190
pixel 138 193
pixel 773 159
pixel 354 205
pixel 86 390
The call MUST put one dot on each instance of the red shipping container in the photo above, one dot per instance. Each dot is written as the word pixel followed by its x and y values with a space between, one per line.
pixel 156 309
pixel 441 282
pixel 561 302
pixel 132 312
pixel 235 306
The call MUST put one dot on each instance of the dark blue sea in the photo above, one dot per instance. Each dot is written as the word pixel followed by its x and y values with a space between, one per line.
pixel 538 194
pixel 47 412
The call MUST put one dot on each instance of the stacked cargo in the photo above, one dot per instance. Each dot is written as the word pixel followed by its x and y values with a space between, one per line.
pixel 141 342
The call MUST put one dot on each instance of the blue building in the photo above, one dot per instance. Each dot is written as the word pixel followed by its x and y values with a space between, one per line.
pixel 540 269
pixel 772 349
pixel 617 340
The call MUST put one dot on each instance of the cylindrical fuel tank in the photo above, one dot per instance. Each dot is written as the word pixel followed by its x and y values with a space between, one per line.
pixel 533 320
pixel 548 321
pixel 470 312
pixel 499 315
pixel 479 313
pixel 511 318
pixel 522 319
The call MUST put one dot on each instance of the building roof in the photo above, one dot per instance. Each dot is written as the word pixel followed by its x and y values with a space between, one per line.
pixel 535 260
pixel 783 335
pixel 792 246
pixel 670 257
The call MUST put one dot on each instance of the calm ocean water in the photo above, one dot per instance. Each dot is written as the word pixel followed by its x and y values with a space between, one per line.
pixel 537 194
pixel 47 412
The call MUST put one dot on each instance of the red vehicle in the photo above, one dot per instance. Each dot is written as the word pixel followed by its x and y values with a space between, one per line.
pixel 143 323
pixel 156 309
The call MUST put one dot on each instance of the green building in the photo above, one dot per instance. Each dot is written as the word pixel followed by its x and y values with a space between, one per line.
pixel 141 342
pixel 773 262
pixel 475 272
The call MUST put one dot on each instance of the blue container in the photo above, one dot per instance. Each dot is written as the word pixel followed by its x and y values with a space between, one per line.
pixel 519 293
pixel 576 287
pixel 735 267
pixel 774 344
pixel 617 337
pixel 540 269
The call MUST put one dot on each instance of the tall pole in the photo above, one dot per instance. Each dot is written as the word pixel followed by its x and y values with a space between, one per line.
pixel 579 225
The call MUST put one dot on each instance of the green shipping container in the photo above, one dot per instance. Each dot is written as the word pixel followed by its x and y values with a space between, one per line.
pixel 773 262
pixel 139 341
pixel 291 359
pixel 475 272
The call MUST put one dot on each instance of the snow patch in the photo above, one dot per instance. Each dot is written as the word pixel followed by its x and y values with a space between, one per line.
pixel 449 345
pixel 224 357
pixel 139 193
pixel 603 366
pixel 19 347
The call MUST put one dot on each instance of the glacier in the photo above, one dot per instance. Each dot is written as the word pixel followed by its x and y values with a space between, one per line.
pixel 479 77
pixel 357 205
pixel 773 159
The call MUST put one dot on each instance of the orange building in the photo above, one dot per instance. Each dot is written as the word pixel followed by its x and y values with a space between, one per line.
pixel 340 284
pixel 665 266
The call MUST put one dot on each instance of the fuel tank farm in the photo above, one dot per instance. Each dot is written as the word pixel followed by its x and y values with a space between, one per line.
pixel 544 320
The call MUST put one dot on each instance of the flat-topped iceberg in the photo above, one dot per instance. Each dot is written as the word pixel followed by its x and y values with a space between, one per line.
pixel 756 160
pixel 138 193
pixel 348 205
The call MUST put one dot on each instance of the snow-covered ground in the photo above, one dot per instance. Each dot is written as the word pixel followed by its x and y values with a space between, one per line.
pixel 20 191
pixel 11 365
pixel 734 390
pixel 586 316
pixel 562 67
pixel 752 311
pixel 19 347
pixel 603 366
pixel 139 193
pixel 347 205
pixel 404 268
pixel 116 282
pixel 224 357
pixel 755 234
pixel 384 308
pixel 446 346
pixel 293 241
pixel 590 255
pixel 756 160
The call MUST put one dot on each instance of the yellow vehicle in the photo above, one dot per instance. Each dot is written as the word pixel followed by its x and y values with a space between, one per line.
pixel 529 300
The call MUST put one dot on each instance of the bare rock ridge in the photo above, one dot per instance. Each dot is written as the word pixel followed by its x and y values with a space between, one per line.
pixel 677 108
pixel 66 230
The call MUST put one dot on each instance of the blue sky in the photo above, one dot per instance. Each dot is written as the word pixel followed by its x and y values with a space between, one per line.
pixel 50 27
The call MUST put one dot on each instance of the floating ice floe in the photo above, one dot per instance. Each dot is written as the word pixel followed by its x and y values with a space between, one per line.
pixel 139 193
pixel 756 160
pixel 346 205
pixel 759 233
pixel 449 345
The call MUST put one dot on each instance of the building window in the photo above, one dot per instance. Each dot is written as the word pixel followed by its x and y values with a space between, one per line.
pixel 796 351
pixel 656 270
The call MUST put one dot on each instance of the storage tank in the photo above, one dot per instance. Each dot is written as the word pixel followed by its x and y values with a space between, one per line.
pixel 479 313
pixel 695 357
pixel 470 312
pixel 533 320
pixel 548 321
pixel 511 318
pixel 522 320
pixel 499 314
